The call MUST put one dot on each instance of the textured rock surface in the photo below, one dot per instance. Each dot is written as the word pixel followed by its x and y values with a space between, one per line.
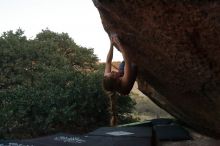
pixel 176 47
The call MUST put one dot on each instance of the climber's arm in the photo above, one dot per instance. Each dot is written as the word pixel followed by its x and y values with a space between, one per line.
pixel 129 77
pixel 109 60
pixel 130 72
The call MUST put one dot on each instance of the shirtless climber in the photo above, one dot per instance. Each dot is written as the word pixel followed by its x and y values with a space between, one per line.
pixel 121 81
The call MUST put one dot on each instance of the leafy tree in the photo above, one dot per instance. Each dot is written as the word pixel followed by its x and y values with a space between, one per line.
pixel 14 61
pixel 79 57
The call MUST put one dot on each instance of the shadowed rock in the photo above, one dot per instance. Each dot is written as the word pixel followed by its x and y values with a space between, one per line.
pixel 176 47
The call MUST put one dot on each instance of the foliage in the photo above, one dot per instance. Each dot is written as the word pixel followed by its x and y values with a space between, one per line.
pixel 50 84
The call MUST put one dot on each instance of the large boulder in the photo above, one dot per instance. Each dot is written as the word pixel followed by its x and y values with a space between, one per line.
pixel 176 45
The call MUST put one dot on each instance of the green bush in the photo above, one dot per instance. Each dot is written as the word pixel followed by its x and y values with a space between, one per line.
pixel 79 106
pixel 45 87
pixel 52 108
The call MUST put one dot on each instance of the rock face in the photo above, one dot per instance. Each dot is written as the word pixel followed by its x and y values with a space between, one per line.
pixel 176 45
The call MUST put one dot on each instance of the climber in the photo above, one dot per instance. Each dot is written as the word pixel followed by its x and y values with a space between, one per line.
pixel 118 82
pixel 121 81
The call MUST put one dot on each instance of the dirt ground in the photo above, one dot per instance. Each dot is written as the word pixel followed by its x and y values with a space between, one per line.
pixel 145 109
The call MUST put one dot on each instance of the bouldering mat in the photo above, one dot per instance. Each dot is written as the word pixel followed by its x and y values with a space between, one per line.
pixel 172 132
pixel 162 121
pixel 140 134
pixel 92 139
pixel 147 123
pixel 123 132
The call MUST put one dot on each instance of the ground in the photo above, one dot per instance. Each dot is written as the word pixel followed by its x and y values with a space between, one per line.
pixel 145 109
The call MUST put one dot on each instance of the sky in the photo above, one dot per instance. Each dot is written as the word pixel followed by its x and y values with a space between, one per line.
pixel 79 18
